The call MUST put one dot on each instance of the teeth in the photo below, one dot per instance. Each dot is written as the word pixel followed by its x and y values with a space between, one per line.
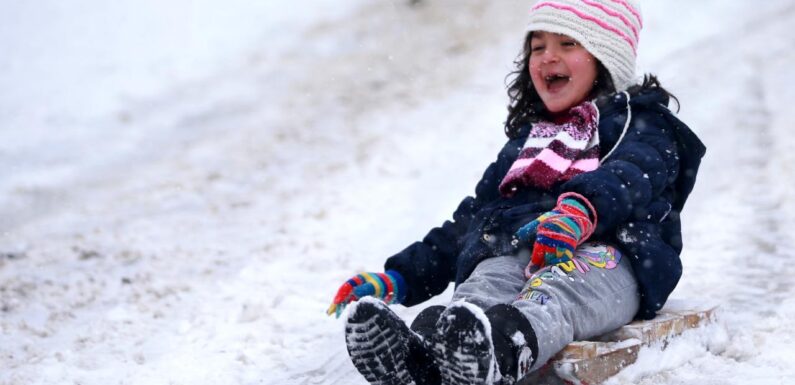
pixel 550 78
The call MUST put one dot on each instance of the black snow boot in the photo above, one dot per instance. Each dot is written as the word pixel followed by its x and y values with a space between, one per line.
pixel 473 347
pixel 382 347
pixel 463 348
pixel 420 362
pixel 515 342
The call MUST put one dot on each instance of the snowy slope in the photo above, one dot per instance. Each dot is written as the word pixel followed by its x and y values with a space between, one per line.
pixel 183 187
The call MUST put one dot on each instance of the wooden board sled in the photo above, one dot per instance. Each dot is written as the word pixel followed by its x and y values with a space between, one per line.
pixel 592 362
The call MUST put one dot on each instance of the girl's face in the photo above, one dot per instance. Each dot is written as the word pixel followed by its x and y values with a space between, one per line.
pixel 562 71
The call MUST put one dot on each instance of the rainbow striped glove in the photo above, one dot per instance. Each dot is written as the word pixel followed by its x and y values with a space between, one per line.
pixel 559 232
pixel 389 286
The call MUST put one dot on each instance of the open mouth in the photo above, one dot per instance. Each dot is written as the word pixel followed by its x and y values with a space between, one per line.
pixel 556 81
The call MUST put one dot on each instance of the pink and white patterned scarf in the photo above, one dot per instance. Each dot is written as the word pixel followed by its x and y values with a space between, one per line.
pixel 556 151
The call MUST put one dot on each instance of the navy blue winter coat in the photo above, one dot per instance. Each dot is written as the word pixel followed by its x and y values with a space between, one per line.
pixel 638 192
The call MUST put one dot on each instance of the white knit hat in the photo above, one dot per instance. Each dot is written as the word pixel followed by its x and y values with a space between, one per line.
pixel 608 29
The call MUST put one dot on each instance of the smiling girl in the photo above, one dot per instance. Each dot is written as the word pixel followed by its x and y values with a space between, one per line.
pixel 562 71
pixel 572 232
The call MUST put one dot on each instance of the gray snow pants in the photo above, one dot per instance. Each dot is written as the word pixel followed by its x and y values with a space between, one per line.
pixel 589 296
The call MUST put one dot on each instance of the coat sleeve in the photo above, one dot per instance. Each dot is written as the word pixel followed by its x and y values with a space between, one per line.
pixel 428 266
pixel 635 176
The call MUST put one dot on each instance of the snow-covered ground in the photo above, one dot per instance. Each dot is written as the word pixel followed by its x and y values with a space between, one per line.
pixel 183 186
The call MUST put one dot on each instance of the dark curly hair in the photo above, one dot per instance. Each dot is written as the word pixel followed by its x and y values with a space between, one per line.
pixel 526 106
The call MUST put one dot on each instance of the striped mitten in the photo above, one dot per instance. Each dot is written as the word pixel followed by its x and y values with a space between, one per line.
pixel 389 287
pixel 559 232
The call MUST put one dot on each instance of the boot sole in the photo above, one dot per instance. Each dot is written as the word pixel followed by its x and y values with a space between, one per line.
pixel 463 348
pixel 377 343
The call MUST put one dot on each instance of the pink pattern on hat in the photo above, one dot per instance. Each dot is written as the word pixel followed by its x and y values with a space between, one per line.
pixel 614 14
pixel 589 18
pixel 631 10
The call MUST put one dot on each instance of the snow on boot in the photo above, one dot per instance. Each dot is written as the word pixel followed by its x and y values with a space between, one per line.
pixel 515 342
pixel 378 343
pixel 462 347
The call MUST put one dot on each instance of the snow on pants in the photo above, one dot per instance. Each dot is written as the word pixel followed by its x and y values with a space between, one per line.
pixel 576 300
